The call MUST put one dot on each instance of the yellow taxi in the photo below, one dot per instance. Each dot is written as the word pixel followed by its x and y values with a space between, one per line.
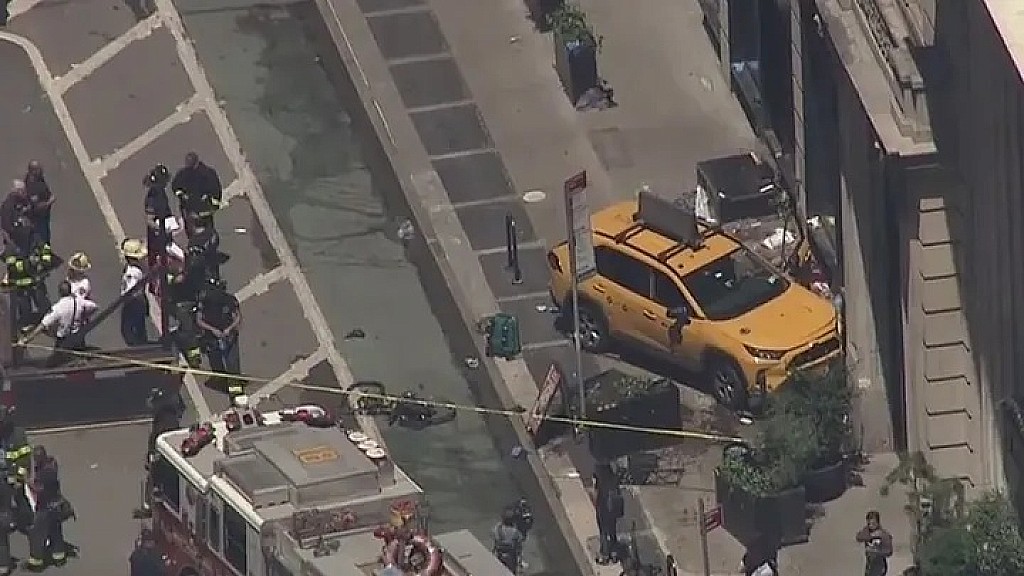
pixel 694 295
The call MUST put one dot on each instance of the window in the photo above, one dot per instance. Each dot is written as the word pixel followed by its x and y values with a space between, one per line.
pixel 234 539
pixel 734 285
pixel 624 270
pixel 214 527
pixel 666 293
pixel 167 483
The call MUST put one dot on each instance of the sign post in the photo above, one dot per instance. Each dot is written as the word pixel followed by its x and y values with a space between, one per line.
pixel 709 520
pixel 582 265
pixel 552 384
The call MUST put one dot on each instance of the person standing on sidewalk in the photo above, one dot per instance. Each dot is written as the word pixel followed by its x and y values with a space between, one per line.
pixel 609 506
pixel 877 543
pixel 42 199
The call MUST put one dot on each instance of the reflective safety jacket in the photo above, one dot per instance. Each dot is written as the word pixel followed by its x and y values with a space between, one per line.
pixel 17 455
pixel 20 272
pixel 198 190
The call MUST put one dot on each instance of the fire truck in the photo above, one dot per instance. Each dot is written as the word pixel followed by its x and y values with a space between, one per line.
pixel 295 493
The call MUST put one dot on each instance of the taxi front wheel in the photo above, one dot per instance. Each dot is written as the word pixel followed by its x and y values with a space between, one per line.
pixel 728 384
pixel 593 328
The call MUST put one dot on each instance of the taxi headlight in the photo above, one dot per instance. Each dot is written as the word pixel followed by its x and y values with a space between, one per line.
pixel 766 355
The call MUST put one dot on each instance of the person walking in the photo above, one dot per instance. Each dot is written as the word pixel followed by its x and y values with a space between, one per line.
pixel 135 308
pixel 12 209
pixel 877 543
pixel 508 540
pixel 761 557
pixel 17 461
pixel 158 210
pixel 41 198
pixel 609 506
pixel 78 266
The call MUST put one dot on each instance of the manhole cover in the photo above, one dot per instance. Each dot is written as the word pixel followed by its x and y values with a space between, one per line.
pixel 534 196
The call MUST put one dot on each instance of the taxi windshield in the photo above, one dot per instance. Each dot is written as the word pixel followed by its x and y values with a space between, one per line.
pixel 734 285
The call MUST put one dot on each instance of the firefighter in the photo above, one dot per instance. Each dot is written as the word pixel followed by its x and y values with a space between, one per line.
pixel 30 300
pixel 166 409
pixel 146 560
pixel 135 308
pixel 17 461
pixel 508 540
pixel 158 210
pixel 183 287
pixel 219 316
pixel 198 189
pixel 204 245
pixel 46 538
pixel 7 521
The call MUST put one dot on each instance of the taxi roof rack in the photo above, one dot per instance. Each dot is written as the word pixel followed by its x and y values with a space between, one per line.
pixel 675 219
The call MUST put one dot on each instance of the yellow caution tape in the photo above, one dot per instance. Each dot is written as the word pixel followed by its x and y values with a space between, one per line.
pixel 400 399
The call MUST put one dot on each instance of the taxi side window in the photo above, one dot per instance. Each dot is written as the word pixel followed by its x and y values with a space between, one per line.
pixel 667 293
pixel 624 270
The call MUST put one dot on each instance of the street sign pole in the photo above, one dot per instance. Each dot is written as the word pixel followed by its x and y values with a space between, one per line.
pixel 702 526
pixel 577 214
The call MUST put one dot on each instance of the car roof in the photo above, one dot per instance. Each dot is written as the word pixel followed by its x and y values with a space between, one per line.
pixel 617 218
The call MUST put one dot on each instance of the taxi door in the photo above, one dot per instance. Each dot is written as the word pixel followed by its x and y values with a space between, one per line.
pixel 622 287
pixel 683 337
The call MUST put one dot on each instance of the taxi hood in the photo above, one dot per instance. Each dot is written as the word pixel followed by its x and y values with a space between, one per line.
pixel 795 318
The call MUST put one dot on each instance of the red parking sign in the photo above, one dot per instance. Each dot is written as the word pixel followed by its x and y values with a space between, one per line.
pixel 712 519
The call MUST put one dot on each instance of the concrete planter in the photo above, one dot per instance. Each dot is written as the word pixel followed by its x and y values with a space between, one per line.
pixel 746 516
pixel 576 65
pixel 826 484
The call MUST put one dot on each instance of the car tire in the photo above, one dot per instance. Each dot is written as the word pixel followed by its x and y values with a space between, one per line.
pixel 728 385
pixel 595 337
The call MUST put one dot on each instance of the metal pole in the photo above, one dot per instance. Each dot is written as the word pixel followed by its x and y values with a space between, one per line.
pixel 703 537
pixel 517 272
pixel 581 410
pixel 509 223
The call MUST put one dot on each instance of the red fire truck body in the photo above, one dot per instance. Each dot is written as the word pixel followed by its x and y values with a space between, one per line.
pixel 286 498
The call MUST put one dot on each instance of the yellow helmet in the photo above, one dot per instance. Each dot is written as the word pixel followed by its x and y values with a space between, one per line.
pixel 132 248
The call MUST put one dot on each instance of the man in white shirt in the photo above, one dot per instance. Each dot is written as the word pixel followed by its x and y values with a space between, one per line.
pixel 64 321
pixel 134 309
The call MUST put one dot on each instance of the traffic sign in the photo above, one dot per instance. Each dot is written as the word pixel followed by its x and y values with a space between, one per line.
pixel 577 211
pixel 712 519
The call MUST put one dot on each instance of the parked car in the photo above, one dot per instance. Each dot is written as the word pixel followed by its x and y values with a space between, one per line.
pixel 696 296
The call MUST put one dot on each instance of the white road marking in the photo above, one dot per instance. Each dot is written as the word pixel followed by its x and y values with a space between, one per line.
pixel 531 245
pixel 297 372
pixel 83 69
pixel 261 283
pixel 441 106
pixel 236 188
pixel 182 114
pixel 546 296
pixel 314 315
pixel 94 178
pixel 548 344
pixel 84 427
pixel 19 7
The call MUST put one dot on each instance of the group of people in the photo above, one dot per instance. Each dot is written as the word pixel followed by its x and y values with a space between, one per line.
pixel 30 475
pixel 186 281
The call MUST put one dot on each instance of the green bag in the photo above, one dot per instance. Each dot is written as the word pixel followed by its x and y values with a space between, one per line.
pixel 503 337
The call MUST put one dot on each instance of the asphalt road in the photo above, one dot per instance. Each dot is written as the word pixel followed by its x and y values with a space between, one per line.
pixel 265 65
pixel 133 104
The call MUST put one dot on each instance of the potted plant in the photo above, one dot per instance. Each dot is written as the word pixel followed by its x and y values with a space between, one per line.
pixel 825 398
pixel 759 488
pixel 985 539
pixel 576 48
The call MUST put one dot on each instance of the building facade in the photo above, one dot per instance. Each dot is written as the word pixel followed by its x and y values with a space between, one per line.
pixel 905 122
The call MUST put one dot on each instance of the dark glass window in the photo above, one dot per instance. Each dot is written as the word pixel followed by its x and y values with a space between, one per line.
pixel 214 528
pixel 167 483
pixel 234 539
pixel 667 293
pixel 624 270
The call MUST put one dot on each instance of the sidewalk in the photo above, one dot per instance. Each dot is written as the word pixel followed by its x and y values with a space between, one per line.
pixel 675 109
pixel 471 114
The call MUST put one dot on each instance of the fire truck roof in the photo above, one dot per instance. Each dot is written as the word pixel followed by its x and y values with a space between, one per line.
pixel 272 471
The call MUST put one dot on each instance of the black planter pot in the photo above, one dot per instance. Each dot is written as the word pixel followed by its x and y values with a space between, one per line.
pixel 826 484
pixel 576 64
pixel 781 515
